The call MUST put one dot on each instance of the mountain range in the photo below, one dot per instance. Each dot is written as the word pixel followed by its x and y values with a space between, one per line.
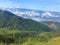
pixel 36 15
pixel 14 22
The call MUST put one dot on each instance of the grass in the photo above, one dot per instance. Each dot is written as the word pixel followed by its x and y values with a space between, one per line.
pixel 53 41
pixel 30 40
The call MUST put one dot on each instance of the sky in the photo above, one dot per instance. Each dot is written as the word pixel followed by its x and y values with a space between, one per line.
pixel 47 5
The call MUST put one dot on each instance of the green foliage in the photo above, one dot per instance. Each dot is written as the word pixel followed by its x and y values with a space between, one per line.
pixel 15 30
pixel 11 21
pixel 26 37
pixel 53 25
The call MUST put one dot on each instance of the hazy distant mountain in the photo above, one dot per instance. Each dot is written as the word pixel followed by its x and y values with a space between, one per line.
pixel 12 21
pixel 36 14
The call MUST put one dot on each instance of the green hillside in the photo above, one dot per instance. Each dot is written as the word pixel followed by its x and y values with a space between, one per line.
pixel 15 30
pixel 11 21
pixel 53 25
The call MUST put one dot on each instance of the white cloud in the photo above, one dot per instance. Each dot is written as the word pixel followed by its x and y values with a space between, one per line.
pixel 19 13
pixel 47 14
pixel 28 13
pixel 36 19
pixel 32 13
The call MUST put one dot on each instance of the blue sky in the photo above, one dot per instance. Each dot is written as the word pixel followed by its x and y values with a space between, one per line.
pixel 48 5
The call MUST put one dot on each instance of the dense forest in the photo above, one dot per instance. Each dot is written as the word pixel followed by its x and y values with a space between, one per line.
pixel 15 30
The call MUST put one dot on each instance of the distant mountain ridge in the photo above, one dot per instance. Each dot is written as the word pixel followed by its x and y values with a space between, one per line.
pixel 12 21
pixel 36 15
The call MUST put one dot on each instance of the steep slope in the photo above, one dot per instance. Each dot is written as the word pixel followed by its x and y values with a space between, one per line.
pixel 11 21
pixel 53 25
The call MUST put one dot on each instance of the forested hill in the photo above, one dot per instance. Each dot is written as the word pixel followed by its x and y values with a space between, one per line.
pixel 53 25
pixel 11 21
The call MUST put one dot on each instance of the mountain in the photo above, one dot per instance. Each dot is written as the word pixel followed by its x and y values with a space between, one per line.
pixel 36 15
pixel 12 21
pixel 52 25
